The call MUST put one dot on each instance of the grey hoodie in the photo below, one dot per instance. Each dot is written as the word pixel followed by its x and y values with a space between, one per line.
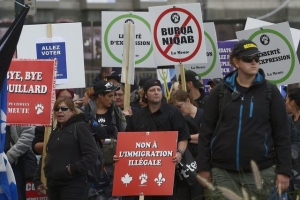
pixel 22 137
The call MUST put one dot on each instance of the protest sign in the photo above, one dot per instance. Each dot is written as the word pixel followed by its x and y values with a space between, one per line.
pixel 145 163
pixel 54 48
pixel 31 193
pixel 178 34
pixel 211 69
pixel 30 92
pixel 113 35
pixel 225 48
pixel 256 23
pixel 277 58
pixel 33 44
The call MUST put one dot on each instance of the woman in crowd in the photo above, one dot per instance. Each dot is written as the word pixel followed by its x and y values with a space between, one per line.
pixel 87 95
pixel 143 101
pixel 193 116
pixel 293 108
pixel 69 157
pixel 38 140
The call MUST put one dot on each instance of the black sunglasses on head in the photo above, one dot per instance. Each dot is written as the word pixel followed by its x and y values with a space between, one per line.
pixel 62 108
pixel 249 59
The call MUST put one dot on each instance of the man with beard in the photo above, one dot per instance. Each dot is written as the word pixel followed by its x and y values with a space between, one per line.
pixel 159 116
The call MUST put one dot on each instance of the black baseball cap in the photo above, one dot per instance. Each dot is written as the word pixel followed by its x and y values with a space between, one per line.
pixel 245 48
pixel 215 81
pixel 144 80
pixel 151 82
pixel 114 77
pixel 192 76
pixel 101 87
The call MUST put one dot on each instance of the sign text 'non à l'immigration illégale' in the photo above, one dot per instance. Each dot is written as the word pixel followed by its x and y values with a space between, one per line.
pixel 145 157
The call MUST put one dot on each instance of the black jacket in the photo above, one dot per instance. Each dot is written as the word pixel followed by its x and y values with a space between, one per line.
pixel 167 118
pixel 64 149
pixel 253 127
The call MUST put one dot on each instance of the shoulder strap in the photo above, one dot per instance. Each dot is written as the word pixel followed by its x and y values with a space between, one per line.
pixel 269 90
pixel 221 94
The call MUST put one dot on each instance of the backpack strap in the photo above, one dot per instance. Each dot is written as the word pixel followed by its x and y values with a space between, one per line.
pixel 221 95
pixel 269 90
pixel 223 101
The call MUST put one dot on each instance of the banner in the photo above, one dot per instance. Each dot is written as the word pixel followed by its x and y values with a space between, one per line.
pixel 145 163
pixel 30 90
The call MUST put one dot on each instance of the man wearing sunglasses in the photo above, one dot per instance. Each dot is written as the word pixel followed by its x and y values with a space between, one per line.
pixel 245 125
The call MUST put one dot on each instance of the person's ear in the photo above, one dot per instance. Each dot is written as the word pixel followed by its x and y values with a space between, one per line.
pixel 236 62
pixel 188 101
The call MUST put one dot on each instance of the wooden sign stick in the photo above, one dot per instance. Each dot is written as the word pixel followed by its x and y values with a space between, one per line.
pixel 127 85
pixel 182 76
pixel 47 129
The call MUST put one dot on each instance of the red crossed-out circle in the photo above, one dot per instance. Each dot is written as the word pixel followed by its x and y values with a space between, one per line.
pixel 165 52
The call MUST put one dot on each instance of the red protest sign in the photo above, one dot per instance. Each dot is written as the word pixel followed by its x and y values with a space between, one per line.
pixel 30 92
pixel 145 163
pixel 31 192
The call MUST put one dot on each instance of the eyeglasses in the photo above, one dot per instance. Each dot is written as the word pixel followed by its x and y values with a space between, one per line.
pixel 249 59
pixel 62 108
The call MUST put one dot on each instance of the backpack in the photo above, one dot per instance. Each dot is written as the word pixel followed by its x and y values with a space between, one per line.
pixel 94 174
pixel 225 99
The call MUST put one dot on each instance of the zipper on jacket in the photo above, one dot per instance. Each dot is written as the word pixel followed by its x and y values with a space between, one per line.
pixel 251 107
pixel 266 146
pixel 211 145
pixel 239 135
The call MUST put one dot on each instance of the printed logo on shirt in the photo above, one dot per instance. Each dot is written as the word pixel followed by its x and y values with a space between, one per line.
pixel 101 120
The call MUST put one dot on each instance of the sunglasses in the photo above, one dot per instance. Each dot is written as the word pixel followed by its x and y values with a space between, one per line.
pixel 62 108
pixel 249 59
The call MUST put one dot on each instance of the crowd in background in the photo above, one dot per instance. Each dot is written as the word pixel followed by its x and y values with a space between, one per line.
pixel 243 119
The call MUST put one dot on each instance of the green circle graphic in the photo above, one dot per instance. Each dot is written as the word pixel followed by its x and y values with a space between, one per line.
pixel 214 56
pixel 289 46
pixel 108 29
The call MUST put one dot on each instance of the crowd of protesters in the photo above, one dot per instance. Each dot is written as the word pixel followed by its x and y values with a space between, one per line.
pixel 243 119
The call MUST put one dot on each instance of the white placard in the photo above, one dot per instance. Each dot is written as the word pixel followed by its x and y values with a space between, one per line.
pixel 211 69
pixel 178 35
pixel 278 58
pixel 72 34
pixel 256 23
pixel 113 35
